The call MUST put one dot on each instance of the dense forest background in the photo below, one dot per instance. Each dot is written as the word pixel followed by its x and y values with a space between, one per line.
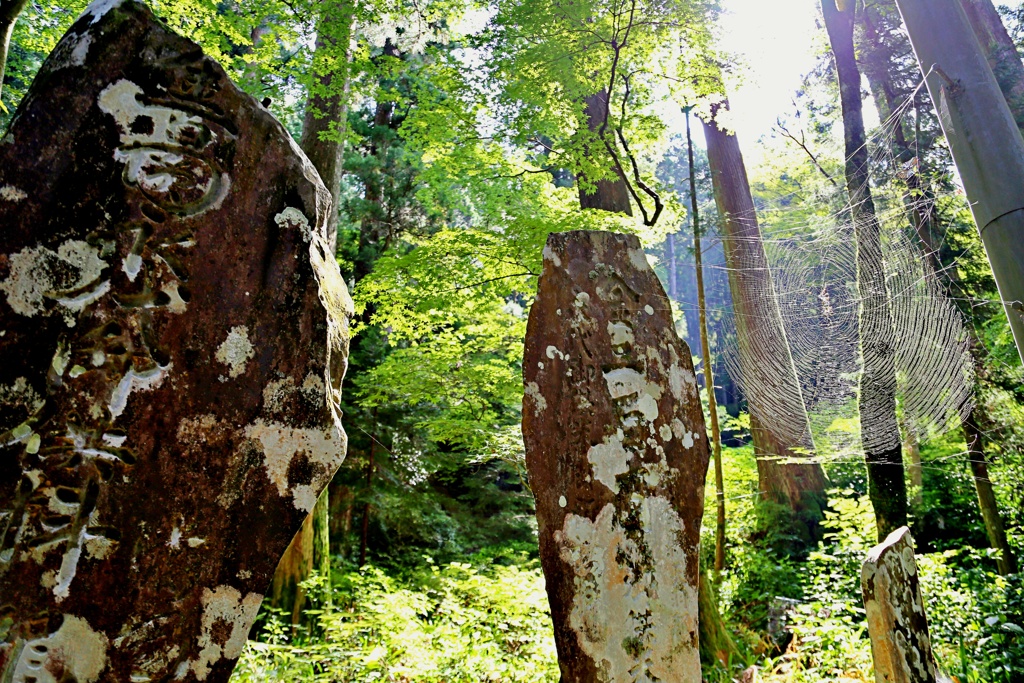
pixel 463 145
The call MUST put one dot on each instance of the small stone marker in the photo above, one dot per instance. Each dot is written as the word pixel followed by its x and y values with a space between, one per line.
pixel 617 454
pixel 169 390
pixel 900 646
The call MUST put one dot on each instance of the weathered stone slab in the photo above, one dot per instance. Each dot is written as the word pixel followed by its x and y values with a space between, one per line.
pixel 900 646
pixel 168 396
pixel 617 454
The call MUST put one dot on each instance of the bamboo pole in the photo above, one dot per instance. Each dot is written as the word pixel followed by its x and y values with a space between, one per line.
pixel 987 147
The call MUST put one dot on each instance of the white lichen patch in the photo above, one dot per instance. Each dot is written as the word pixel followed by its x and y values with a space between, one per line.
pixel 75 650
pixel 175 540
pixel 81 50
pixel 278 393
pixel 540 404
pixel 37 273
pixel 98 547
pixel 550 255
pixel 69 566
pixel 609 459
pixel 169 126
pixel 553 351
pixel 293 218
pixel 281 443
pixel 223 607
pixel 195 542
pixel 639 260
pixel 135 380
pixel 132 266
pixel 9 193
pixel 562 502
pixel 236 350
pixel 636 617
pixel 625 384
pixel 649 309
pixel 665 432
pixel 21 394
pixel 99 8
pixel 620 333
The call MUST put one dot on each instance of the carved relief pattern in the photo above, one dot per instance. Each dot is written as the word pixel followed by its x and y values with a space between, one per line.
pixel 71 446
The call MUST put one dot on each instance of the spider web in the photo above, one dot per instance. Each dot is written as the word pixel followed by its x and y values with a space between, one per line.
pixel 812 283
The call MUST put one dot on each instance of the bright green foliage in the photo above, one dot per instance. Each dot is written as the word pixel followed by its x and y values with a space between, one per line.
pixel 480 620
pixel 547 58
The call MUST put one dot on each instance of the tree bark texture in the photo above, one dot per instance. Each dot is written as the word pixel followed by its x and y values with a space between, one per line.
pixel 9 11
pixel 880 434
pixel 611 194
pixel 1000 52
pixel 1006 562
pixel 787 472
pixel 877 57
pixel 716 643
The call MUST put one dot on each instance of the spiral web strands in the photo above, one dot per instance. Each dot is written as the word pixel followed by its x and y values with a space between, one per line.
pixel 813 288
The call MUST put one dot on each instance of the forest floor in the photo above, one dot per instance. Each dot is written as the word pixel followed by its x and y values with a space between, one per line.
pixel 485 617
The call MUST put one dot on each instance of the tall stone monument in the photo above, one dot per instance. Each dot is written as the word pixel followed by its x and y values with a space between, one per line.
pixel 174 334
pixel 900 646
pixel 617 454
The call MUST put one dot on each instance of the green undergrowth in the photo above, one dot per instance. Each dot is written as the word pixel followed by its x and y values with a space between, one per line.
pixel 975 616
pixel 483 619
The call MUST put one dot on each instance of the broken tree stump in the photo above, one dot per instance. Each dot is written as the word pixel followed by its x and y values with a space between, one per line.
pixel 900 646
pixel 617 455
pixel 170 385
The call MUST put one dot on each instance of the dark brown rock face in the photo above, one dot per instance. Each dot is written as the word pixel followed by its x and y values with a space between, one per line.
pixel 168 396
pixel 900 646
pixel 617 454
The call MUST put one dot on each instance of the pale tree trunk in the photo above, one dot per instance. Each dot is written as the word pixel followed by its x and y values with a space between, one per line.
pixel 787 471
pixel 322 134
pixel 982 135
pixel 9 11
pixel 609 194
pixel 705 349
pixel 1001 53
pixel 880 433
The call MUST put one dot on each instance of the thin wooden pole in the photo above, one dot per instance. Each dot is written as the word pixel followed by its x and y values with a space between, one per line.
pixel 705 348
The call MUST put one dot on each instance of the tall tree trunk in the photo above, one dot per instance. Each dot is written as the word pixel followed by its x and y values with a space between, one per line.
pixel 880 433
pixel 787 472
pixel 1006 561
pixel 714 640
pixel 609 194
pixel 705 349
pixel 371 464
pixel 9 11
pixel 322 135
pixel 1001 54
pixel 877 63
pixel 982 135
